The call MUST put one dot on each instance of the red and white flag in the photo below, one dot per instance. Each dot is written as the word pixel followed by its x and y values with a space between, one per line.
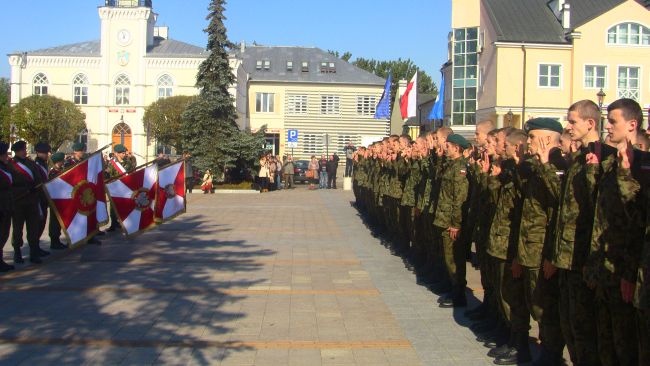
pixel 133 197
pixel 170 201
pixel 79 198
pixel 408 102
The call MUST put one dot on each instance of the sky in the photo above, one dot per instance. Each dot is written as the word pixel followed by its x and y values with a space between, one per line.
pixel 379 29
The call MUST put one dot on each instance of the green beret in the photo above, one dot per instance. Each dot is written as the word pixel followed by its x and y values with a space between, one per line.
pixel 458 140
pixel 19 146
pixel 42 147
pixel 119 148
pixel 543 124
pixel 57 157
pixel 78 146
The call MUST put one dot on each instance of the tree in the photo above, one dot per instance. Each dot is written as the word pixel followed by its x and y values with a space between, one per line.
pixel 47 118
pixel 163 118
pixel 345 57
pixel 5 110
pixel 210 130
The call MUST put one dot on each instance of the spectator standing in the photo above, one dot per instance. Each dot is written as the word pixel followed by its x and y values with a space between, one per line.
pixel 322 167
pixel 313 168
pixel 331 167
pixel 349 154
pixel 263 175
pixel 189 172
pixel 272 172
pixel 287 171
pixel 278 172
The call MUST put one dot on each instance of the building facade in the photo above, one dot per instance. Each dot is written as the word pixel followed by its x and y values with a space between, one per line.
pixel 134 63
pixel 512 60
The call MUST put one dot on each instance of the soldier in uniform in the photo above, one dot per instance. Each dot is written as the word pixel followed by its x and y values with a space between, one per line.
pixel 43 150
pixel 117 166
pixel 6 204
pixel 26 198
pixel 54 228
pixel 78 155
pixel 449 215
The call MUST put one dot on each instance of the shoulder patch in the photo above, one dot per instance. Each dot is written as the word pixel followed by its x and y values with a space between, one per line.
pixel 463 172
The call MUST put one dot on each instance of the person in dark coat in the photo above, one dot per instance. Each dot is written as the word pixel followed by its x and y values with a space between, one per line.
pixel 332 165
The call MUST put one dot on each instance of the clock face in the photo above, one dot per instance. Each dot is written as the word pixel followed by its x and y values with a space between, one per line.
pixel 123 37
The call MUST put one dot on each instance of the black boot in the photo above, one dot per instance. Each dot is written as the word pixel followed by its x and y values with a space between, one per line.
pixel 18 256
pixel 35 256
pixel 520 353
pixel 503 348
pixel 56 244
pixel 4 267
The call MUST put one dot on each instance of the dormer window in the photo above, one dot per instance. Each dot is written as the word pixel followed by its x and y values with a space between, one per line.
pixel 305 66
pixel 332 67
pixel 327 67
pixel 629 34
pixel 267 65
pixel 289 65
pixel 258 65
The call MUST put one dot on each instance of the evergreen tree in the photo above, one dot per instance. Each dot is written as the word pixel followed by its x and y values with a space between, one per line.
pixel 210 130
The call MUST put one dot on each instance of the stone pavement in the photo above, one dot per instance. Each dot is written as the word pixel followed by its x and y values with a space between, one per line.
pixel 281 278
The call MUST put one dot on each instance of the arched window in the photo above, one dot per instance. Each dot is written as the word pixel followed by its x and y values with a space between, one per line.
pixel 82 137
pixel 165 86
pixel 80 89
pixel 122 89
pixel 40 84
pixel 122 135
pixel 629 33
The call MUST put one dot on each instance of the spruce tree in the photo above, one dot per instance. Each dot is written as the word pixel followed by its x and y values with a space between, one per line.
pixel 210 129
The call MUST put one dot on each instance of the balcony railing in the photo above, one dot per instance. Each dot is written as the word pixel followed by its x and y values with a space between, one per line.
pixel 129 3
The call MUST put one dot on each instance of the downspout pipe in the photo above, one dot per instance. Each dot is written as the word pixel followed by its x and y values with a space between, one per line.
pixel 523 87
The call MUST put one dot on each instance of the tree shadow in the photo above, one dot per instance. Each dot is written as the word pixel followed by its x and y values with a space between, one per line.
pixel 172 293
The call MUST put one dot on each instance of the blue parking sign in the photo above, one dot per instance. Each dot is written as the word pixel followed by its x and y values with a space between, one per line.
pixel 292 135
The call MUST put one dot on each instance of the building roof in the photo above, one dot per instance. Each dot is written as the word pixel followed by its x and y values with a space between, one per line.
pixel 534 20
pixel 343 72
pixel 161 48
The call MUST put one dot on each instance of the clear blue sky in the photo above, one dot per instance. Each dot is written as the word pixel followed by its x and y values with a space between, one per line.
pixel 379 29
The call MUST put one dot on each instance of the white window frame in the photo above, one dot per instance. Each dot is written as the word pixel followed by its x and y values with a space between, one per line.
pixel 366 105
pixel 122 90
pixel 539 75
pixel 80 89
pixel 164 86
pixel 643 30
pixel 264 102
pixel 595 78
pixel 296 104
pixel 639 83
pixel 40 86
pixel 330 104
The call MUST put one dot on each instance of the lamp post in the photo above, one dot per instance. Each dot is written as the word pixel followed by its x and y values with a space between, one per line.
pixel 509 117
pixel 601 98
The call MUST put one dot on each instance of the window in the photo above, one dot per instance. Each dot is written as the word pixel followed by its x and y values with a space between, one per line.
pixel 549 76
pixel 289 65
pixel 595 76
pixel 628 82
pixel 165 84
pixel 366 105
pixel 264 102
pixel 327 67
pixel 122 89
pixel 329 104
pixel 40 84
pixel 296 104
pixel 629 33
pixel 258 65
pixel 82 137
pixel 312 144
pixel 465 75
pixel 80 89
pixel 267 65
pixel 305 66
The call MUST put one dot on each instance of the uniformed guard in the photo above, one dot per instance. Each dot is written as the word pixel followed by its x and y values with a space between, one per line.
pixel 43 151
pixel 117 166
pixel 26 198
pixel 54 226
pixel 6 204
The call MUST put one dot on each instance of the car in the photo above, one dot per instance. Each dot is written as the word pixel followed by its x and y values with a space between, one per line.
pixel 300 168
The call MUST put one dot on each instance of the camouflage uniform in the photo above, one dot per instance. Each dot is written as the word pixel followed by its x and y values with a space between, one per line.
pixel 450 211
pixel 573 224
pixel 408 202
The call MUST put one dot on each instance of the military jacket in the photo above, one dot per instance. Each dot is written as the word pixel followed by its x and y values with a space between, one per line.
pixel 6 181
pixel 73 161
pixel 615 243
pixel 43 168
pixel 26 177
pixel 438 165
pixel 642 294
pixel 538 207
pixel 113 172
pixel 505 192
pixel 484 210
pixel 411 183
pixel 396 173
pixel 423 188
pixel 453 195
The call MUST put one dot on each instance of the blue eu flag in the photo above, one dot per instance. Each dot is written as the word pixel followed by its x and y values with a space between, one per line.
pixel 438 110
pixel 383 107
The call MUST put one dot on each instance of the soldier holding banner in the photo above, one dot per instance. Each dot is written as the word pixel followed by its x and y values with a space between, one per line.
pixel 54 228
pixel 117 166
pixel 43 150
pixel 6 203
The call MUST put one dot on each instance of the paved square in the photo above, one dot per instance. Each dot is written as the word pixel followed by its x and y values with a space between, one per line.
pixel 280 278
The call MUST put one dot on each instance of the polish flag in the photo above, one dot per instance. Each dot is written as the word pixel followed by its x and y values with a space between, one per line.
pixel 170 201
pixel 79 199
pixel 408 101
pixel 133 197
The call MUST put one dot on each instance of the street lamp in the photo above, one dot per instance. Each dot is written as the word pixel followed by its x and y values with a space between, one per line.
pixel 601 98
pixel 509 117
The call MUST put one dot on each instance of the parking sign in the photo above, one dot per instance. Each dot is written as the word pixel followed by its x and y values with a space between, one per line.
pixel 292 138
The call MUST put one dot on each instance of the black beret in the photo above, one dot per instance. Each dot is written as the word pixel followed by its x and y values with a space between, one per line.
pixel 19 146
pixel 42 147
pixel 543 124
pixel 458 140
pixel 4 147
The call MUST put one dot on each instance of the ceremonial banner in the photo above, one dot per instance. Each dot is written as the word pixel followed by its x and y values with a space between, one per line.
pixel 79 198
pixel 170 201
pixel 133 197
